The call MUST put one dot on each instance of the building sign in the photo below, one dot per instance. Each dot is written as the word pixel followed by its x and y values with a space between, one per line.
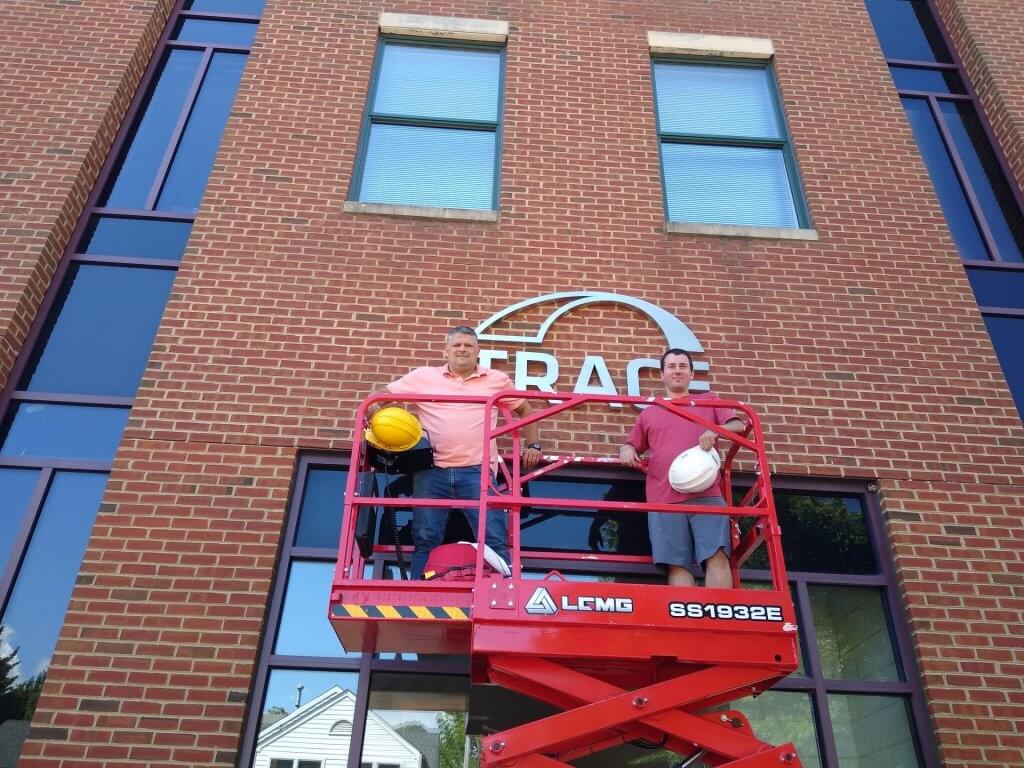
pixel 594 366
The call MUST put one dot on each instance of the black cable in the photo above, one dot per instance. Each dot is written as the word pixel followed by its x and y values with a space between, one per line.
pixel 402 572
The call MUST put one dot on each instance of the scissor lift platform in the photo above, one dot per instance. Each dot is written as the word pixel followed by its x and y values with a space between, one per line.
pixel 624 662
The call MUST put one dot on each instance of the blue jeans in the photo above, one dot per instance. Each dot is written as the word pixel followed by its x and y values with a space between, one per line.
pixel 429 523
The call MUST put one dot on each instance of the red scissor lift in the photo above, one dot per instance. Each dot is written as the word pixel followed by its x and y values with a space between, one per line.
pixel 623 662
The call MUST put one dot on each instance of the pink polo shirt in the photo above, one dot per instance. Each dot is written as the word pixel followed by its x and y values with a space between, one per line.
pixel 666 435
pixel 456 430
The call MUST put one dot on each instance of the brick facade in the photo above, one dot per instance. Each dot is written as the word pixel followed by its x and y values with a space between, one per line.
pixel 984 34
pixel 67 73
pixel 864 351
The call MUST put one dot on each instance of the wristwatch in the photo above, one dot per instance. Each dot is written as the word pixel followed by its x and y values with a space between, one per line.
pixel 534 446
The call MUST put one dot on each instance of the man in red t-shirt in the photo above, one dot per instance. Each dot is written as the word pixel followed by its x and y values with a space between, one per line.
pixel 683 543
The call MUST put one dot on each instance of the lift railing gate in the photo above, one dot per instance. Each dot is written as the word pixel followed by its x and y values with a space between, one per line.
pixel 625 662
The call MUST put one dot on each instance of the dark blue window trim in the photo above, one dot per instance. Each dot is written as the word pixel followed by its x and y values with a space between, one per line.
pixel 980 198
pixel 370 118
pixel 130 234
pixel 783 142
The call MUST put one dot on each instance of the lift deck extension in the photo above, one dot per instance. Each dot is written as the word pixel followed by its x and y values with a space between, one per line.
pixel 624 662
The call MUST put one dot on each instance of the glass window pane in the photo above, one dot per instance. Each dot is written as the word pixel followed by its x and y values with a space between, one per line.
pixel 142 238
pixel 585 531
pixel 778 717
pixel 64 431
pixel 100 339
pixel 16 489
pixel 433 82
pixel 44 582
pixel 138 168
pixel 997 287
pixel 801 670
pixel 440 167
pixel 951 195
pixel 727 185
pixel 321 509
pixel 853 633
pixel 186 180
pixel 224 32
pixel 997 203
pixel 245 7
pixel 417 721
pixel 304 629
pixel 871 731
pixel 932 80
pixel 716 100
pixel 1008 339
pixel 828 534
pixel 299 708
pixel 906 30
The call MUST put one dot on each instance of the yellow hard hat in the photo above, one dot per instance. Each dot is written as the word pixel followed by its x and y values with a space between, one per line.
pixel 393 429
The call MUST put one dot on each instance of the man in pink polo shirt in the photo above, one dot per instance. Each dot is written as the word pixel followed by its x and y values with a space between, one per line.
pixel 682 543
pixel 456 433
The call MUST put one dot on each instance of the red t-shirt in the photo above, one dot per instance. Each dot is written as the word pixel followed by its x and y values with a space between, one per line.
pixel 665 436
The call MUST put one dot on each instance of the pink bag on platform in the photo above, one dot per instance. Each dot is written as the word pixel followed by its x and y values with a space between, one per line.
pixel 457 562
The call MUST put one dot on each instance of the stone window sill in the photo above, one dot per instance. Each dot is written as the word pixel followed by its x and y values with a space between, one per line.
pixel 419 211
pixel 734 230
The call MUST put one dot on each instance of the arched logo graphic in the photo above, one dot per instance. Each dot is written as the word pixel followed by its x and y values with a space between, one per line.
pixel 675 331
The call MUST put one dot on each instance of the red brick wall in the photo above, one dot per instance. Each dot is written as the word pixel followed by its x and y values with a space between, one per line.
pixel 987 35
pixel 67 73
pixel 864 351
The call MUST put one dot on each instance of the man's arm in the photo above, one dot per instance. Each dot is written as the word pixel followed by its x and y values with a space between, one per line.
pixel 374 407
pixel 636 444
pixel 531 435
pixel 709 438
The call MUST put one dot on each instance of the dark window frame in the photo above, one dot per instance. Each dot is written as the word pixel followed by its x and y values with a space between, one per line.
pixel 12 395
pixel 995 262
pixel 813 684
pixel 370 118
pixel 783 143
pixel 969 96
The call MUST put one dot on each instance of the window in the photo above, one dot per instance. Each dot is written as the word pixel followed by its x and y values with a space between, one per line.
pixel 74 385
pixel 306 686
pixel 981 204
pixel 432 132
pixel 725 152
pixel 854 696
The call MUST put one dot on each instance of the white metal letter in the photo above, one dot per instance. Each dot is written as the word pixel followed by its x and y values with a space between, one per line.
pixel 545 382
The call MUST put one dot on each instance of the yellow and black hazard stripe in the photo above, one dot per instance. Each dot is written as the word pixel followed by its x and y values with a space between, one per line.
pixel 431 612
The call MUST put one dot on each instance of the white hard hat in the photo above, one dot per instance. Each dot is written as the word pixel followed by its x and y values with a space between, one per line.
pixel 694 470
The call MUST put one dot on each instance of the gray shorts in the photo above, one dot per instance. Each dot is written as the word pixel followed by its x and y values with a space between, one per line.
pixel 675 537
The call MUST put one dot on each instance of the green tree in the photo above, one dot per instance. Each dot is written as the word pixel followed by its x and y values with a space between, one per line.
pixel 452 727
pixel 8 685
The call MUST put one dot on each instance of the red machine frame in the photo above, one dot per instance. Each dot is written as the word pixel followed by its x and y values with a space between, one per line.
pixel 655 657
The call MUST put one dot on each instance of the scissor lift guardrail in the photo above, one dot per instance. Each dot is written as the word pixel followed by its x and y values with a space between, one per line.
pixel 624 661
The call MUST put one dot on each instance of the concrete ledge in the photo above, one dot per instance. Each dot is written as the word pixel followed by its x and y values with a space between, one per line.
pixel 419 211
pixel 692 44
pixel 734 230
pixel 444 27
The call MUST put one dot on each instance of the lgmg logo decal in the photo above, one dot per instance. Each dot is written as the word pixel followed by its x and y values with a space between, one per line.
pixel 540 603
pixel 594 366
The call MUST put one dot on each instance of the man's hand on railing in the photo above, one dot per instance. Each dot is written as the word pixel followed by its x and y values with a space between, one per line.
pixel 530 457
pixel 629 457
